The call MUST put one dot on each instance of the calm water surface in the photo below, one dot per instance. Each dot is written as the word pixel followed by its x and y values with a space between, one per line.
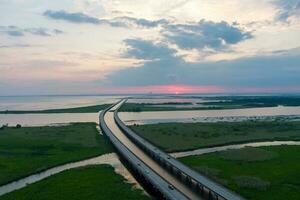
pixel 152 117
pixel 194 115
pixel 47 119
pixel 52 102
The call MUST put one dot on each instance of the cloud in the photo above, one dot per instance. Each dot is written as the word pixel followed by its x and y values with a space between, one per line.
pixel 147 50
pixel 57 31
pixel 123 21
pixel 144 23
pixel 38 31
pixel 287 9
pixel 15 46
pixel 71 17
pixel 15 31
pixel 119 12
pixel 205 34
pixel 176 6
pixel 259 71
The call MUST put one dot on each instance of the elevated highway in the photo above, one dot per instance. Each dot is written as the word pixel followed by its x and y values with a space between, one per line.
pixel 169 177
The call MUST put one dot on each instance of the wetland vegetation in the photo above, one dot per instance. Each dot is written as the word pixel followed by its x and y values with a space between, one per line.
pixel 187 136
pixel 28 150
pixel 265 173
pixel 98 182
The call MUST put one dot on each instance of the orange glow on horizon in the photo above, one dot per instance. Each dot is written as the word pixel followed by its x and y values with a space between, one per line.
pixel 185 89
pixel 163 89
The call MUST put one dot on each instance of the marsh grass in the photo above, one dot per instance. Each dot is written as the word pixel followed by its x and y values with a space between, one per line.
pixel 267 178
pixel 91 182
pixel 250 182
pixel 188 136
pixel 28 150
pixel 248 154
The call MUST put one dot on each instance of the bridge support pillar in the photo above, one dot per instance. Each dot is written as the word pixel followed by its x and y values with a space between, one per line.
pixel 178 174
pixel 212 196
pixel 188 180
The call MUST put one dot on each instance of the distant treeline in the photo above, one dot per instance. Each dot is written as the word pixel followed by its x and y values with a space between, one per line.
pixel 255 101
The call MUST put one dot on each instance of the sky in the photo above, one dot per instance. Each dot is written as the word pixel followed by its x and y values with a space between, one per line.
pixel 157 46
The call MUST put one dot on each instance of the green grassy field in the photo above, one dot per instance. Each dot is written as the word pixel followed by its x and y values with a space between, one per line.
pixel 143 107
pixel 92 183
pixel 187 136
pixel 85 109
pixel 265 173
pixel 28 150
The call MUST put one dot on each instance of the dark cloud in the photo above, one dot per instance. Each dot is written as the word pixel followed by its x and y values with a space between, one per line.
pixel 287 8
pixel 71 17
pixel 260 71
pixel 205 34
pixel 156 72
pixel 15 33
pixel 19 32
pixel 123 21
pixel 146 49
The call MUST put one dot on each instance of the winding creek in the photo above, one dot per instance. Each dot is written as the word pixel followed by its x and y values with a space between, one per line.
pixel 234 146
pixel 109 159
pixel 113 160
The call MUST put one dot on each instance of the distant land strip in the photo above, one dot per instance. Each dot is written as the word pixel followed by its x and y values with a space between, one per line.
pixel 85 109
